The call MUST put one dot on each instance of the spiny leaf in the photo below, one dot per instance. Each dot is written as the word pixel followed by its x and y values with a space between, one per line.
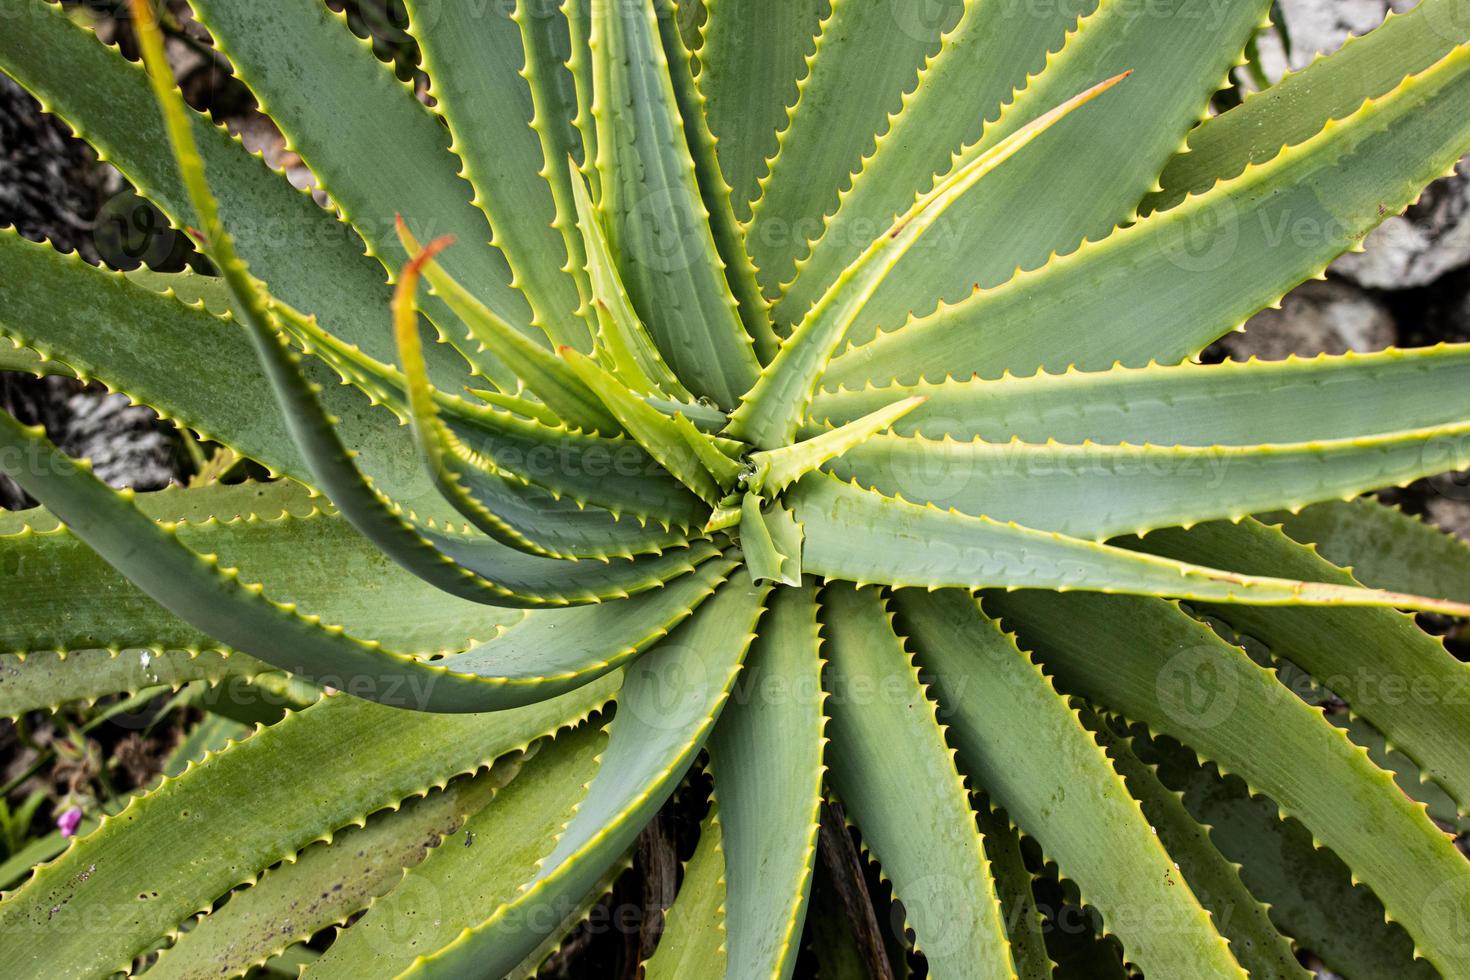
pixel 1147 660
pixel 654 431
pixel 1239 916
pixel 332 100
pixel 770 411
pixel 1386 548
pixel 776 469
pixel 457 883
pixel 864 537
pixel 1311 895
pixel 1168 285
pixel 729 236
pixel 766 756
pixel 1299 105
pixel 621 335
pixel 62 596
pixel 1370 658
pixel 897 778
pixel 866 56
pixel 1096 491
pixel 213 599
pixel 562 649
pixel 490 499
pixel 541 370
pixel 118 115
pixel 978 68
pixel 200 847
pixel 749 63
pixel 47 680
pixel 473 58
pixel 310 426
pixel 1231 403
pixel 693 941
pixel 1182 52
pixel 1032 754
pixel 656 221
pixel 766 559
pixel 326 883
pixel 649 746
pixel 1014 888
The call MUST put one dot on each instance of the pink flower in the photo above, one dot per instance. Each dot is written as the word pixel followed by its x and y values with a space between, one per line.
pixel 67 822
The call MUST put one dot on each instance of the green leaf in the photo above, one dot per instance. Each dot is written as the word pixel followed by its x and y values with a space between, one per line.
pixel 1298 106
pixel 770 412
pixel 1312 896
pixel 211 735
pixel 770 539
pixel 326 883
pixel 729 236
pixel 497 852
pixel 1097 491
pixel 864 537
pixel 776 469
pixel 131 337
pixel 118 115
pixel 508 439
pixel 200 843
pixel 1013 886
pixel 59 595
pixel 896 776
pixel 491 499
pixel 192 366
pixel 693 941
pixel 26 361
pixel 213 599
pixel 333 101
pixel 656 222
pixel 715 453
pixel 1033 755
pixel 1181 52
pixel 766 756
pixel 666 708
pixel 1389 671
pixel 48 680
pixel 1385 547
pixel 980 66
pixel 621 336
pixel 534 365
pixel 762 557
pixel 475 57
pixel 1241 919
pixel 654 431
pixel 556 650
pixel 866 57
pixel 1167 286
pixel 1232 403
pixel 1148 661
pixel 750 61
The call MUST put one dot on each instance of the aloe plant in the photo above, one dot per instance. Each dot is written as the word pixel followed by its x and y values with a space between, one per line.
pixel 804 394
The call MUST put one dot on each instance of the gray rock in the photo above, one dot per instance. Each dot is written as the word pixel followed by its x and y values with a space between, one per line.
pixel 1321 26
pixel 1327 317
pixel 51 187
pixel 127 446
pixel 1451 514
pixel 1416 248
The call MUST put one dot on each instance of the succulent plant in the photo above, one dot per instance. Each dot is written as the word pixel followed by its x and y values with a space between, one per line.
pixel 805 394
